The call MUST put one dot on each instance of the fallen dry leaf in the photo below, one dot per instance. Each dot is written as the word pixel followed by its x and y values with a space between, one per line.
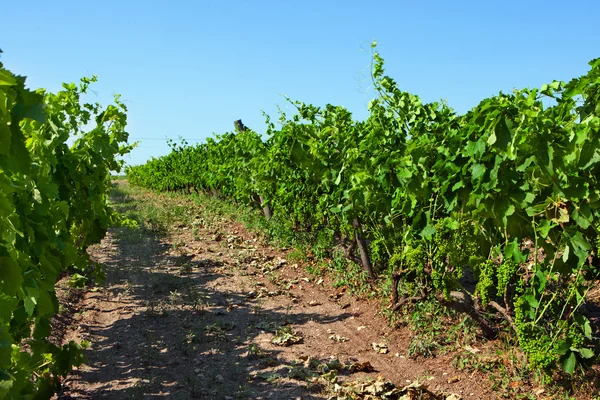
pixel 380 348
pixel 362 367
pixel 338 338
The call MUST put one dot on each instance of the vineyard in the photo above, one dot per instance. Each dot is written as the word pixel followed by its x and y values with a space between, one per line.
pixel 495 212
pixel 53 205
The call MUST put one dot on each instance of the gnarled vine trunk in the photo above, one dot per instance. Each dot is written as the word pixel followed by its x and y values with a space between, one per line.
pixel 266 208
pixel 365 259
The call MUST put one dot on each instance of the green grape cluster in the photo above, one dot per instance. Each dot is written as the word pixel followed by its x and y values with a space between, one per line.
pixel 455 248
pixel 462 244
pixel 414 258
pixel 506 272
pixel 533 340
pixel 378 251
pixel 396 259
pixel 440 280
pixel 485 282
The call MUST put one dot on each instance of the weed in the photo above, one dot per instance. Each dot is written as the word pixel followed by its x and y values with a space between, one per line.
pixel 255 351
pixel 174 297
pixel 127 290
pixel 297 254
pixel 285 336
pixel 185 269
pixel 471 362
pixel 190 337
pixel 156 308
pixel 178 244
pixel 196 233
pixel 257 307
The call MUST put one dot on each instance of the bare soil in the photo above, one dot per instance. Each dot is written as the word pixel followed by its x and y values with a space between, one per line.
pixel 192 315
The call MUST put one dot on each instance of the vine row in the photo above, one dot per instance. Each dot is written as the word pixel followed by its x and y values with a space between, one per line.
pixel 506 193
pixel 53 205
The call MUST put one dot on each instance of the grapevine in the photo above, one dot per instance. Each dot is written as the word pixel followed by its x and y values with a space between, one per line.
pixel 53 204
pixel 449 193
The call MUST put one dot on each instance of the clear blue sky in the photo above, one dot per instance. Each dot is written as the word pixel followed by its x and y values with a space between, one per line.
pixel 190 68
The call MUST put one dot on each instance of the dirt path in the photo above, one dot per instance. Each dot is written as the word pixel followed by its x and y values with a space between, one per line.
pixel 193 314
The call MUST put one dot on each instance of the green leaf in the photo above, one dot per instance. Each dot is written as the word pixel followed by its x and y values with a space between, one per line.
pixel 6 383
pixel 30 302
pixel 477 171
pixel 339 177
pixel 581 247
pixel 544 227
pixel 404 173
pixel 585 353
pixel 428 232
pixel 583 216
pixel 457 186
pixel 512 251
pixel 46 307
pixel 6 78
pixel 476 149
pixel 563 347
pixel 569 363
pixel 5 138
pixel 10 275
pixel 531 300
pixel 587 329
pixel 565 256
pixel 452 224
pixel 541 276
pixel 536 209
pixel 7 304
pixel 42 328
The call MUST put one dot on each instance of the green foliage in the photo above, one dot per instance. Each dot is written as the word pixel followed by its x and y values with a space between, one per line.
pixel 508 192
pixel 53 204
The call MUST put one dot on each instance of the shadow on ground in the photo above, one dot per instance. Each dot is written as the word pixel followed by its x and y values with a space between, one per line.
pixel 174 326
